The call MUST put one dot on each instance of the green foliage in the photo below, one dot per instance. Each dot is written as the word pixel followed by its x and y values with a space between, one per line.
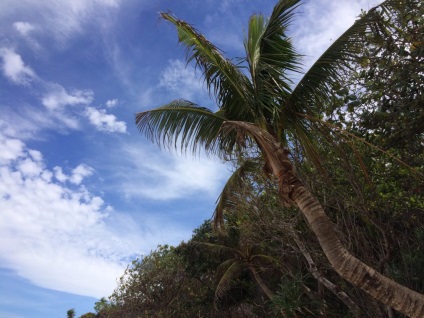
pixel 390 84
pixel 101 305
pixel 158 286
pixel 290 296
pixel 70 313
pixel 366 89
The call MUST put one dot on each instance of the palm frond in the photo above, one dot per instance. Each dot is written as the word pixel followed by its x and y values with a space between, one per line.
pixel 308 138
pixel 217 249
pixel 264 257
pixel 229 85
pixel 341 134
pixel 270 54
pixel 231 269
pixel 270 147
pixel 234 183
pixel 316 83
pixel 185 124
pixel 268 48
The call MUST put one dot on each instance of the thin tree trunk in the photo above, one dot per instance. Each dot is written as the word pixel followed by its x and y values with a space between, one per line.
pixel 332 287
pixel 264 287
pixel 292 191
pixel 260 282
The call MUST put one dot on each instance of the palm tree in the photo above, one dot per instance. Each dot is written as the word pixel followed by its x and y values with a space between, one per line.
pixel 257 105
pixel 238 259
pixel 70 313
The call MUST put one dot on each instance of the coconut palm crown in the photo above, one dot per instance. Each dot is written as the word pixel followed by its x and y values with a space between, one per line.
pixel 257 91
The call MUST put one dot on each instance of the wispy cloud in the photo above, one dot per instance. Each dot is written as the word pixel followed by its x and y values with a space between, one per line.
pixel 57 97
pixel 24 28
pixel 150 174
pixel 28 31
pixel 14 68
pixel 112 103
pixel 181 79
pixel 60 19
pixel 63 106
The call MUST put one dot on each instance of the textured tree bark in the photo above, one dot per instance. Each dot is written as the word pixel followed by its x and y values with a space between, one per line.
pixel 349 267
pixel 292 191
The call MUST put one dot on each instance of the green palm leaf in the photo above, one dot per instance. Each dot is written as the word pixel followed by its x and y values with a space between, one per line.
pixel 186 124
pixel 217 249
pixel 270 54
pixel 229 85
pixel 315 86
pixel 231 269
pixel 234 183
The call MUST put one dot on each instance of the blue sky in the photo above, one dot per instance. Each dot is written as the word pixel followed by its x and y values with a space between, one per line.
pixel 82 193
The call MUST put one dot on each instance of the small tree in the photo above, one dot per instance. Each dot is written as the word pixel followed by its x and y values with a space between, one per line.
pixel 70 313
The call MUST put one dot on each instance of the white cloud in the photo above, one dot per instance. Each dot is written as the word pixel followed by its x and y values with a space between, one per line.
pixel 60 19
pixel 315 29
pixel 80 172
pixel 77 174
pixel 112 103
pixel 59 175
pixel 28 122
pixel 56 100
pixel 160 176
pixel 14 67
pixel 181 79
pixel 24 28
pixel 10 149
pixel 105 122
pixel 58 97
pixel 27 31
pixel 59 236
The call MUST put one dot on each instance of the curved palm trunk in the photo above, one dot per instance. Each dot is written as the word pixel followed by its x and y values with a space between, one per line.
pixel 344 263
pixel 348 266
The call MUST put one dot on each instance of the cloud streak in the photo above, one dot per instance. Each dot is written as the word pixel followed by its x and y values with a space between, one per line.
pixel 180 79
pixel 60 20
pixel 57 97
pixel 147 173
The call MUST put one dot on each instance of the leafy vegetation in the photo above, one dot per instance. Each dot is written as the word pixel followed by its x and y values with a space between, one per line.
pixel 349 135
